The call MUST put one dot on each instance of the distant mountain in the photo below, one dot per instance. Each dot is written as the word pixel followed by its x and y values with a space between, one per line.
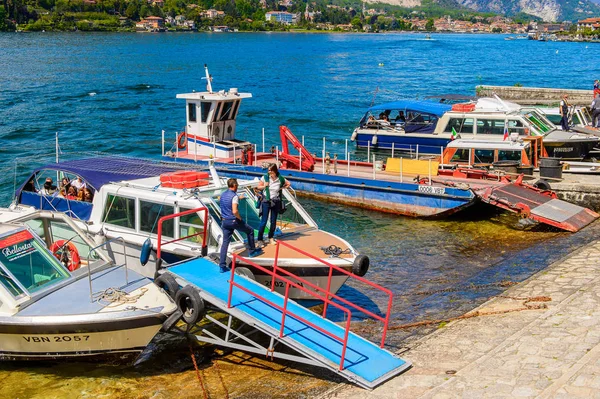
pixel 548 10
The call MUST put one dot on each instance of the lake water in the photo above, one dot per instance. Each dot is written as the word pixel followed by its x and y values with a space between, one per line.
pixel 116 92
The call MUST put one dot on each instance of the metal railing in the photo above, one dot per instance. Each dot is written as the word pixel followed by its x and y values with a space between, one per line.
pixel 160 244
pixel 327 291
pixel 284 309
pixel 94 250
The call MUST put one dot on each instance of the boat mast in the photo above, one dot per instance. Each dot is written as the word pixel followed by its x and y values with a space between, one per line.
pixel 208 79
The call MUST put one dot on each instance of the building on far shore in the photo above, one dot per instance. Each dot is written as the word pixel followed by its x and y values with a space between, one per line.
pixel 153 24
pixel 589 23
pixel 284 17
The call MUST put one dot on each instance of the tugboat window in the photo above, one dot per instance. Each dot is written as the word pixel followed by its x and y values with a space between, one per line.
pixel 119 211
pixel 192 112
pixel 484 156
pixel 227 111
pixel 509 155
pixel 204 110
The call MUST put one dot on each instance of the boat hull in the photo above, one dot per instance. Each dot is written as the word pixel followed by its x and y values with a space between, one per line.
pixel 116 341
pixel 423 144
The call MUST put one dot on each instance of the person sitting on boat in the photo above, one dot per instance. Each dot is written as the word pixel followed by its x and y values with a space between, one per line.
pixel 86 195
pixel 400 118
pixel 30 186
pixel 596 88
pixel 71 193
pixel 64 185
pixel 49 188
pixel 78 183
pixel 272 183
pixel 232 220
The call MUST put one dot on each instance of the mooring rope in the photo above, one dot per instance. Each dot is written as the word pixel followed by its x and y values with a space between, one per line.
pixel 116 297
pixel 334 250
pixel 526 306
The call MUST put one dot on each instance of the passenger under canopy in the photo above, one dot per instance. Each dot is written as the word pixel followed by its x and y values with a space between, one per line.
pixel 408 115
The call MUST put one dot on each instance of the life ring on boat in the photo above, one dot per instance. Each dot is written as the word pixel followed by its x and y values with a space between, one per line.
pixel 67 253
pixel 360 266
pixel 190 303
pixel 181 141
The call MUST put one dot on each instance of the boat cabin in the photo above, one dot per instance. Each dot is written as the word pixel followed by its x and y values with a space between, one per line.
pixel 407 116
pixel 526 151
pixel 211 123
pixel 489 118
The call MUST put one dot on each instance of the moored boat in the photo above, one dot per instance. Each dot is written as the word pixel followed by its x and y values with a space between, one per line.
pixel 433 126
pixel 131 196
pixel 72 302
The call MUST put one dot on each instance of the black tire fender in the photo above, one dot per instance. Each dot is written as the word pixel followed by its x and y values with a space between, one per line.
pixel 360 266
pixel 167 283
pixel 216 258
pixel 542 184
pixel 190 303
pixel 244 271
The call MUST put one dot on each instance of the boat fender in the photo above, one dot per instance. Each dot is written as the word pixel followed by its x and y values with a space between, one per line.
pixel 190 303
pixel 244 271
pixel 146 251
pixel 542 185
pixel 167 283
pixel 360 266
pixel 374 140
pixel 181 141
pixel 70 257
pixel 354 134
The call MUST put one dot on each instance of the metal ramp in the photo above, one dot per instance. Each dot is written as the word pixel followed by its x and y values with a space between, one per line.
pixel 314 339
pixel 540 205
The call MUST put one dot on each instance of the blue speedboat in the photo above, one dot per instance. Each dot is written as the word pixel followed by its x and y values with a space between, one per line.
pixel 402 125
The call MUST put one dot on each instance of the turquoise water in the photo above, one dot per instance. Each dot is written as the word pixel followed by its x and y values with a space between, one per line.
pixel 116 92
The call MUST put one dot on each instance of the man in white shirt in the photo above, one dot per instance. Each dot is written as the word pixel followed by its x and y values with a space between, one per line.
pixel 78 184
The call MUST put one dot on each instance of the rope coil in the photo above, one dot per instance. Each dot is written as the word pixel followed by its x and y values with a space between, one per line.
pixel 334 250
pixel 115 297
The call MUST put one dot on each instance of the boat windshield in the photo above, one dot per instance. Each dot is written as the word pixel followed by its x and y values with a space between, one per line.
pixel 539 121
pixel 409 120
pixel 27 265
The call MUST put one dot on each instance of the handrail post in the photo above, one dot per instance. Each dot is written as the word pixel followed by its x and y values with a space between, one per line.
pixel 285 302
pixel 343 357
pixel 328 290
pixel 275 266
pixel 163 144
pixel 430 172
pixel 348 163
pixel 392 149
pixel 387 319
pixel 234 258
pixel 401 172
pixel 125 256
pixel 417 155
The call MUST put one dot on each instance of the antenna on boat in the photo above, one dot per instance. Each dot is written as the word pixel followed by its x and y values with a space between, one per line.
pixel 501 102
pixel 208 79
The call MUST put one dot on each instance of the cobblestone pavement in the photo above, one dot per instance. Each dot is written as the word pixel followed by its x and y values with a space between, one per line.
pixel 545 353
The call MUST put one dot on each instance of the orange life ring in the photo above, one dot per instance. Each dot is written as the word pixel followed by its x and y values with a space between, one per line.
pixel 181 141
pixel 58 249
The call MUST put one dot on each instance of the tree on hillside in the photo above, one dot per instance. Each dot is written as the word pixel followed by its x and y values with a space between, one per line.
pixel 429 25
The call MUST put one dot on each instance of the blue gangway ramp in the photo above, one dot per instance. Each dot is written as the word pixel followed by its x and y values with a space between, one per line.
pixel 364 363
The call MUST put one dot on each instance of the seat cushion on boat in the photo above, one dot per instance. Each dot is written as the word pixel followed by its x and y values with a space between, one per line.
pixel 75 297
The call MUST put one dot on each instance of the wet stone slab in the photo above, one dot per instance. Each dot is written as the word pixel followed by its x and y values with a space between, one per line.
pixel 546 353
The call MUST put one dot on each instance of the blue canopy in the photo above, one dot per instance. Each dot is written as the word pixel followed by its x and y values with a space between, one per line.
pixel 427 107
pixel 96 172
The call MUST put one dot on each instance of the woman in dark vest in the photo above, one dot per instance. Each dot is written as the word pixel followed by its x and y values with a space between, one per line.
pixel 272 183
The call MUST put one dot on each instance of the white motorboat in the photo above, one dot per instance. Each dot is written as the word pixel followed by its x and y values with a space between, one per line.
pixel 131 197
pixel 426 127
pixel 98 310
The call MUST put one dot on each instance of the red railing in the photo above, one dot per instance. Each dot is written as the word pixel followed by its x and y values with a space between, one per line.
pixel 175 215
pixel 327 292
pixel 284 310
